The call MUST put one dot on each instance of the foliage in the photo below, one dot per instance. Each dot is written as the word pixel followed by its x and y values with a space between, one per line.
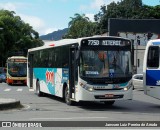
pixel 126 9
pixel 80 26
pixel 15 35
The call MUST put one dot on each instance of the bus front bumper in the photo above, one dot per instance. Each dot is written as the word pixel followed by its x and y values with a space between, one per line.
pixel 16 81
pixel 104 95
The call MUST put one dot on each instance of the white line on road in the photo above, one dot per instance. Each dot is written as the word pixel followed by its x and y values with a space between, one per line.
pixel 20 89
pixel 7 89
pixel 26 106
pixel 31 90
pixel 69 118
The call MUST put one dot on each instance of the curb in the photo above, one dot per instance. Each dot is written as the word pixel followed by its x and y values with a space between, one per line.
pixel 6 104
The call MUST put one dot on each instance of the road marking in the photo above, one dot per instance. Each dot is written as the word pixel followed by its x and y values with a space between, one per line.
pixel 26 106
pixel 20 89
pixel 69 118
pixel 31 90
pixel 8 89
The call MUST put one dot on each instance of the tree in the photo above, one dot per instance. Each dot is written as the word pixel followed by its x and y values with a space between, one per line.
pixel 80 26
pixel 127 9
pixel 15 35
pixel 150 12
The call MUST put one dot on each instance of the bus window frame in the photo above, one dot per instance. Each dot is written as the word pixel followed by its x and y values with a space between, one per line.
pixel 151 58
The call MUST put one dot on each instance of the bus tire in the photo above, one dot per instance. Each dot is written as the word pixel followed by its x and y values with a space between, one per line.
pixel 109 103
pixel 9 84
pixel 66 97
pixel 38 91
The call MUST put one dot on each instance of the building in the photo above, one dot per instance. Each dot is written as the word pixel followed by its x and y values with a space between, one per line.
pixel 139 31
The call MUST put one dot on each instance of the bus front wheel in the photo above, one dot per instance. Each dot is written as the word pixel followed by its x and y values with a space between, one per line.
pixel 67 98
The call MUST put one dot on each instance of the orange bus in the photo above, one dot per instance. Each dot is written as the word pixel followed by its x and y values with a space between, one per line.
pixel 16 70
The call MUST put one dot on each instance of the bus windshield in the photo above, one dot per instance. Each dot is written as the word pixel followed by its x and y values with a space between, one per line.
pixel 17 69
pixel 105 64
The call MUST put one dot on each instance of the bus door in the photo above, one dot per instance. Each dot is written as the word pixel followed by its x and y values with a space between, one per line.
pixel 73 70
pixel 30 69
pixel 153 72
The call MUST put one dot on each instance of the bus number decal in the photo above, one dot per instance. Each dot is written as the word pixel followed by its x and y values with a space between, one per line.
pixel 50 77
pixel 93 42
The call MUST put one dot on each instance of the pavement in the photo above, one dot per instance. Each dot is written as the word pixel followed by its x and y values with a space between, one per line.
pixel 6 104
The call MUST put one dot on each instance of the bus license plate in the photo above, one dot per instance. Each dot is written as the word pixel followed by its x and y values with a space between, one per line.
pixel 109 95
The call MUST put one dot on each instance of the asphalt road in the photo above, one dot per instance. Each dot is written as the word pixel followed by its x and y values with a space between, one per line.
pixel 50 108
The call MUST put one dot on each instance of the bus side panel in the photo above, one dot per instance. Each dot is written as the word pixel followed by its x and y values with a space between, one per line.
pixel 62 76
pixel 46 77
pixel 58 83
pixel 153 77
pixel 153 83
pixel 144 70
pixel 51 80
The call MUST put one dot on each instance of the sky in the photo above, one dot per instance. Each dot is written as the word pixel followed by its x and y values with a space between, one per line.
pixel 46 16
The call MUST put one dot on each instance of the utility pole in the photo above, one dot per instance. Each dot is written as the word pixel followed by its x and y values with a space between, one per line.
pixel 136 56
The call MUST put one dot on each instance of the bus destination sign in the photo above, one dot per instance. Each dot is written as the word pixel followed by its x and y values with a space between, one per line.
pixel 19 60
pixel 104 42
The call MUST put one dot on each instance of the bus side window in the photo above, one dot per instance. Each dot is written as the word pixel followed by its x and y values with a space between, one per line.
pixel 50 58
pixel 65 56
pixel 153 57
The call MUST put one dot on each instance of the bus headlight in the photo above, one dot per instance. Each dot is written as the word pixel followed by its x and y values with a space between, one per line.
pixel 86 87
pixel 125 89
pixel 128 86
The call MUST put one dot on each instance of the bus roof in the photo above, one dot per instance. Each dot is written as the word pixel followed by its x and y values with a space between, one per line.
pixel 155 42
pixel 17 57
pixel 50 44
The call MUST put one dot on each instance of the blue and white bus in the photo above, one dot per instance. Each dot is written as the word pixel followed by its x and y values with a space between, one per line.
pixel 86 69
pixel 151 69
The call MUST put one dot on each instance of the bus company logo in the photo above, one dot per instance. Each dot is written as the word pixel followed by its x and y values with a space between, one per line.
pixel 50 77
pixel 158 82
pixel 116 86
